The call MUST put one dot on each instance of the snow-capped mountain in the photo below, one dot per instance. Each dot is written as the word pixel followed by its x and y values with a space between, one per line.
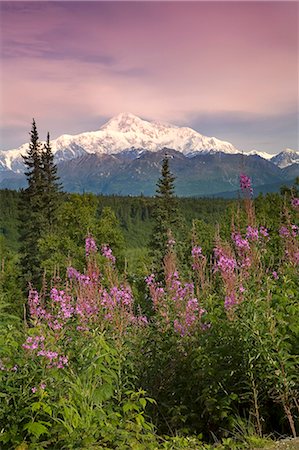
pixel 286 158
pixel 122 133
pixel 263 155
pixel 131 136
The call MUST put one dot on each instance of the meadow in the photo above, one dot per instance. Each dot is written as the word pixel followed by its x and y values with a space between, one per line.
pixel 117 346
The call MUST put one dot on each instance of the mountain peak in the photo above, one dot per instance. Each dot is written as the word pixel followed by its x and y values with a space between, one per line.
pixel 290 151
pixel 123 122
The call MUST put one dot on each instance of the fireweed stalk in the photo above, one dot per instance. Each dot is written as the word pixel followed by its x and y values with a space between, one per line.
pixel 175 305
pixel 199 262
pixel 82 304
pixel 247 192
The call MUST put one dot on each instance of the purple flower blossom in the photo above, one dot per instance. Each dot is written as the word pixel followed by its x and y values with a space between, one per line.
pixel 284 232
pixel 240 243
pixel 275 276
pixel 171 242
pixel 226 264
pixel 107 252
pixel 295 202
pixel 264 231
pixel 252 233
pixel 34 389
pixel 72 273
pixel 196 252
pixel 245 184
pixel 150 279
pixel 230 301
pixel 90 246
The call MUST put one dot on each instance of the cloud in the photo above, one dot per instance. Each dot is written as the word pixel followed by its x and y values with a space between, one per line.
pixel 71 63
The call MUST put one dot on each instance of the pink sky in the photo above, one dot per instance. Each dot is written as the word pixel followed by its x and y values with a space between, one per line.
pixel 228 69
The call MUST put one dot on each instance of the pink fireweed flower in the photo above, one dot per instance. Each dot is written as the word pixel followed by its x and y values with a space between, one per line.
pixel 264 232
pixel 252 233
pixel 274 274
pixel 295 203
pixel 107 252
pixel 197 257
pixel 34 343
pixel 295 230
pixel 240 243
pixel 64 302
pixel 43 386
pixel 72 273
pixel 196 251
pixel 284 232
pixel 171 242
pixel 179 328
pixel 150 279
pixel 245 184
pixel 90 246
pixel 34 389
pixel 225 264
pixel 230 301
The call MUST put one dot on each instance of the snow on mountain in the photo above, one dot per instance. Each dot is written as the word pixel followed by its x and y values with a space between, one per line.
pixel 286 158
pixel 132 135
pixel 122 133
pixel 263 155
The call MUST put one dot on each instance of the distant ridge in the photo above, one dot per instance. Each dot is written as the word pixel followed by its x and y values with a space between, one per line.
pixel 127 144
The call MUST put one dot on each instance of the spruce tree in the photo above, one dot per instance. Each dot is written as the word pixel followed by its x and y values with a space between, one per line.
pixel 166 216
pixel 31 219
pixel 38 204
pixel 51 186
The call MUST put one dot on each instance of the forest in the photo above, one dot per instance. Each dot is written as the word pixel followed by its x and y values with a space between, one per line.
pixel 147 323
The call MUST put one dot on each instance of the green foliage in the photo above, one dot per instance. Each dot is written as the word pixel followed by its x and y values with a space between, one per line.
pixel 225 386
pixel 78 217
pixel 166 217
pixel 38 205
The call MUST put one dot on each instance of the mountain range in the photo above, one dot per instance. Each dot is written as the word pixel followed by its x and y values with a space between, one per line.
pixel 124 157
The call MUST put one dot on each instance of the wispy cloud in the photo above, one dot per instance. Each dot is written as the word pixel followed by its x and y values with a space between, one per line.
pixel 69 63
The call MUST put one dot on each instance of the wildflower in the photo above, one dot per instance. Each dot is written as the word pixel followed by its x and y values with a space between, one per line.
pixel 107 252
pixel 295 202
pixel 226 264
pixel 230 301
pixel 252 233
pixel 196 251
pixel 34 389
pixel 72 273
pixel 245 184
pixel 275 276
pixel 241 243
pixel 295 230
pixel 264 231
pixel 284 232
pixel 90 246
pixel 43 386
pixel 150 279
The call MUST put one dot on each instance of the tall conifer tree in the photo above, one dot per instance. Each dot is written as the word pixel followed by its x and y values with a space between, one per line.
pixel 51 186
pixel 38 204
pixel 166 216
pixel 30 209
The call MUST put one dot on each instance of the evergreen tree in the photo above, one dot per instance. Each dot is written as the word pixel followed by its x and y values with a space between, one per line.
pixel 30 209
pixel 51 186
pixel 166 217
pixel 38 204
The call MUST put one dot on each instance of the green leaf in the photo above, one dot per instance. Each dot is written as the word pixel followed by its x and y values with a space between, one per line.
pixel 36 428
